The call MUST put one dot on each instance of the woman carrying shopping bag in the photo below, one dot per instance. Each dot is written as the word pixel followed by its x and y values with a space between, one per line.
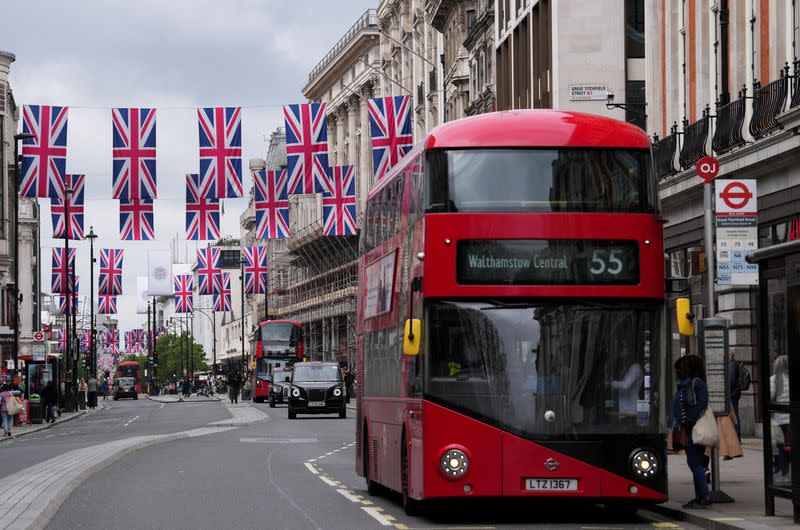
pixel 9 406
pixel 694 423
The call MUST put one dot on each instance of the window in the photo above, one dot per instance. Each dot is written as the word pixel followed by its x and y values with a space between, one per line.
pixel 635 110
pixel 634 29
pixel 471 19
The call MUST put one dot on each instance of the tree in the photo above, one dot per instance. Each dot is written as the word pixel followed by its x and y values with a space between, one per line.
pixel 170 354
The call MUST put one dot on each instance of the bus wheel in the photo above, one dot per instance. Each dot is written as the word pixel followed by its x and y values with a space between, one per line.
pixel 373 488
pixel 272 402
pixel 410 506
pixel 292 414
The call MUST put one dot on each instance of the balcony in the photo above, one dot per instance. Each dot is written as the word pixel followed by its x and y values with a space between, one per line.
pixel 730 120
pixel 768 103
pixel 368 21
pixel 664 154
pixel 695 137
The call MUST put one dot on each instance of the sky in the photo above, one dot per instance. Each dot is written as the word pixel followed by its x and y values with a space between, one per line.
pixel 175 56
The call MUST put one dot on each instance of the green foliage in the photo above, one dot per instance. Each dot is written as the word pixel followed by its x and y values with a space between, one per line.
pixel 170 360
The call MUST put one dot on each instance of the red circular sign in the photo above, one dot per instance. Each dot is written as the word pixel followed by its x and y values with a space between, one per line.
pixel 736 195
pixel 38 336
pixel 707 168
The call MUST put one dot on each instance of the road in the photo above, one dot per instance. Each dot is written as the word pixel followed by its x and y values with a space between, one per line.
pixel 280 473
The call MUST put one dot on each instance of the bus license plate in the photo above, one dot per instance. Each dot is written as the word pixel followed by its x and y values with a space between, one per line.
pixel 551 484
pixel 316 403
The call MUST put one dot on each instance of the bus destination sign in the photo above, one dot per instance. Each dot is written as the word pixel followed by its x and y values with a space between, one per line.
pixel 547 262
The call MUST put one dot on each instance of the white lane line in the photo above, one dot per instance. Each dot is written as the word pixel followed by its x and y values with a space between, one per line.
pixel 378 516
pixel 312 468
pixel 277 440
pixel 347 495
pixel 162 405
pixel 131 421
pixel 328 481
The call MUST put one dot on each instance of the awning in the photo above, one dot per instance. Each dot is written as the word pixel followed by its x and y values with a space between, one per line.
pixel 775 251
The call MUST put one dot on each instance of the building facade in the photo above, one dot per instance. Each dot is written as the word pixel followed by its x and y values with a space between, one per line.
pixel 572 55
pixel 18 302
pixel 738 99
pixel 467 29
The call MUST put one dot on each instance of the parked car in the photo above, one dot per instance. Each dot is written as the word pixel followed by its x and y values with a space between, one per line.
pixel 279 383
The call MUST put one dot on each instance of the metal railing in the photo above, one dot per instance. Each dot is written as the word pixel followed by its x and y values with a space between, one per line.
pixel 664 154
pixel 730 120
pixel 369 20
pixel 695 137
pixel 768 102
pixel 795 85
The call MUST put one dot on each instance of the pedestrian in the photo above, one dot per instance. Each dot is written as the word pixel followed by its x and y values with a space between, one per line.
pixel 6 391
pixel 780 424
pixel 735 389
pixel 104 388
pixel 92 385
pixel 82 391
pixel 688 405
pixel 50 397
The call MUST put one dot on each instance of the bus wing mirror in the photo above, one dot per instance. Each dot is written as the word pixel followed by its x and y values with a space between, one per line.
pixel 683 310
pixel 412 338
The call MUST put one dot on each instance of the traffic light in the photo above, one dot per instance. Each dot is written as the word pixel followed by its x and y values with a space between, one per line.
pixel 154 359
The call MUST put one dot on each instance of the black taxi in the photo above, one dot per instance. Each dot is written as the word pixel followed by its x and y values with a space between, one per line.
pixel 316 388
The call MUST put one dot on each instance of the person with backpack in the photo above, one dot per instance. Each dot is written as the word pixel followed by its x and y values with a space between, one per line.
pixel 738 381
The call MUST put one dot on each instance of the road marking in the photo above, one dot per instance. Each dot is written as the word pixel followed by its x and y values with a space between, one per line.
pixel 162 405
pixel 378 516
pixel 327 481
pixel 727 519
pixel 277 440
pixel 347 495
pixel 311 468
pixel 131 421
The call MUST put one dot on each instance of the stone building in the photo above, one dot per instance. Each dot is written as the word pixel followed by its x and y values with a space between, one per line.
pixel 722 82
pixel 467 28
pixel 20 300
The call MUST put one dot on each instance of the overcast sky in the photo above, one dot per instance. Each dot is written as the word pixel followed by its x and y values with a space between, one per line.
pixel 175 56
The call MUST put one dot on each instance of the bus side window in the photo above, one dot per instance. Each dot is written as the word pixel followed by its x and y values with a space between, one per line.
pixel 366 232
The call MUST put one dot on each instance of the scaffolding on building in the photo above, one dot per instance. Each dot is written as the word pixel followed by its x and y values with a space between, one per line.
pixel 313 280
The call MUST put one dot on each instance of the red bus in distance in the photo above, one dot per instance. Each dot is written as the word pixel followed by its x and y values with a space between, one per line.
pixel 131 369
pixel 510 336
pixel 278 343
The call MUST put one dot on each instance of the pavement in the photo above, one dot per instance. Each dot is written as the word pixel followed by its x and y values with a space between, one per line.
pixel 742 479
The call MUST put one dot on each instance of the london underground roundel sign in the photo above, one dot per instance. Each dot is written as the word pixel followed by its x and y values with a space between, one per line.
pixel 707 168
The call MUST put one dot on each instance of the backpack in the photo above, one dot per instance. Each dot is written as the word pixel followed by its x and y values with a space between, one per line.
pixel 743 378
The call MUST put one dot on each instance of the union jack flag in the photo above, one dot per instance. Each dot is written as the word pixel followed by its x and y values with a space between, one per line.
pixel 182 287
pixel 220 152
pixel 207 267
pixel 307 147
pixel 107 304
pixel 44 157
pixel 61 340
pixel 64 304
pixel 272 204
pixel 58 210
pixel 339 207
pixel 136 220
pixel 61 269
pixel 85 338
pixel 222 296
pixel 129 342
pixel 202 215
pixel 160 332
pixel 255 270
pixel 109 341
pixel 390 130
pixel 134 171
pixel 110 278
pixel 138 340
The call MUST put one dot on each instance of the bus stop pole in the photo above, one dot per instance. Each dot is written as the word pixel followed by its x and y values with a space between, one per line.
pixel 716 494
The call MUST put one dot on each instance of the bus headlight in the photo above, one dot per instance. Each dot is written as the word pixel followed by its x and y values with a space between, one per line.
pixel 644 463
pixel 454 463
pixel 337 392
pixel 296 392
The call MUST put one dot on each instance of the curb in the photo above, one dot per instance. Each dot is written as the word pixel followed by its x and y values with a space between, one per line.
pixel 706 518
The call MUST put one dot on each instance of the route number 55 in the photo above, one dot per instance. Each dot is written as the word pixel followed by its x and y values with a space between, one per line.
pixel 600 265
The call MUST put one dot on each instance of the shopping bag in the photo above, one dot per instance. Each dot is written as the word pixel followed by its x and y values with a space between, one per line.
pixel 679 438
pixel 705 431
pixel 13 405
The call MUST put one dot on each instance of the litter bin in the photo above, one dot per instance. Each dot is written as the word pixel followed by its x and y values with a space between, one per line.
pixel 36 412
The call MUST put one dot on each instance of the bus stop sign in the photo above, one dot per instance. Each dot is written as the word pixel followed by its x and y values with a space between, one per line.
pixel 707 168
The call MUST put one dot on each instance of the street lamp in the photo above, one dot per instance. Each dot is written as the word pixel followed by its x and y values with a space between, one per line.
pixel 241 277
pixel 91 236
pixel 17 138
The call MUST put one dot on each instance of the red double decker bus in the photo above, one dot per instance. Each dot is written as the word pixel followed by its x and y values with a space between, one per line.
pixel 131 369
pixel 511 334
pixel 278 343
